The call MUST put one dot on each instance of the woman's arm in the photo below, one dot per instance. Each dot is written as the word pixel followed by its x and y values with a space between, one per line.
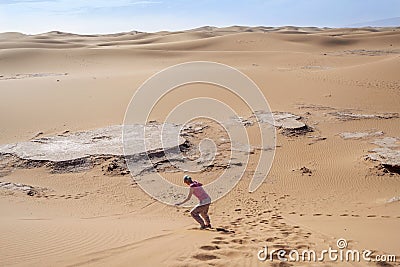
pixel 187 198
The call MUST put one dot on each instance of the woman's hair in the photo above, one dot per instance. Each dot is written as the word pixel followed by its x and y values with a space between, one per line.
pixel 187 178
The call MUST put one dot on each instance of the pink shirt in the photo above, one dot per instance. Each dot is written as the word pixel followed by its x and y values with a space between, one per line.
pixel 199 191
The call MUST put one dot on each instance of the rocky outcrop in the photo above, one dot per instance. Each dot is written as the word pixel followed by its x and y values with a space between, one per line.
pixel 387 154
pixel 71 152
pixel 104 141
pixel 289 124
pixel 360 135
pixel 163 144
pixel 27 189
pixel 345 116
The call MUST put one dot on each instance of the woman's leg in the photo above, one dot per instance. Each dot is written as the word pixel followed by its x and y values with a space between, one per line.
pixel 204 213
pixel 195 214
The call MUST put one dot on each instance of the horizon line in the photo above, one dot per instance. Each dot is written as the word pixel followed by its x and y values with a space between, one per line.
pixel 205 26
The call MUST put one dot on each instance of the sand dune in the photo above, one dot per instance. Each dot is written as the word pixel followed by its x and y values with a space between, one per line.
pixel 321 186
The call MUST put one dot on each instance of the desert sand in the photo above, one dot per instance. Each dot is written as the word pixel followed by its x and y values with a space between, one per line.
pixel 342 83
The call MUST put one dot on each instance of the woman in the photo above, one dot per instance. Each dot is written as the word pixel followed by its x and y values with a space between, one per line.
pixel 197 189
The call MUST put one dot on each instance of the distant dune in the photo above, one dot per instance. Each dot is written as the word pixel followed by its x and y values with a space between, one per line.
pixel 195 38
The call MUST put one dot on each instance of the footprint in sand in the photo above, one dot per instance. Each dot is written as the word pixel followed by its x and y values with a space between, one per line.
pixel 344 215
pixel 302 246
pixel 238 241
pixel 205 257
pixel 317 214
pixel 371 216
pixel 384 264
pixel 220 242
pixel 281 264
pixel 209 247
pixel 285 234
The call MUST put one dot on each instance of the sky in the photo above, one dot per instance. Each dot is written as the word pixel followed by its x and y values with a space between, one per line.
pixel 109 16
